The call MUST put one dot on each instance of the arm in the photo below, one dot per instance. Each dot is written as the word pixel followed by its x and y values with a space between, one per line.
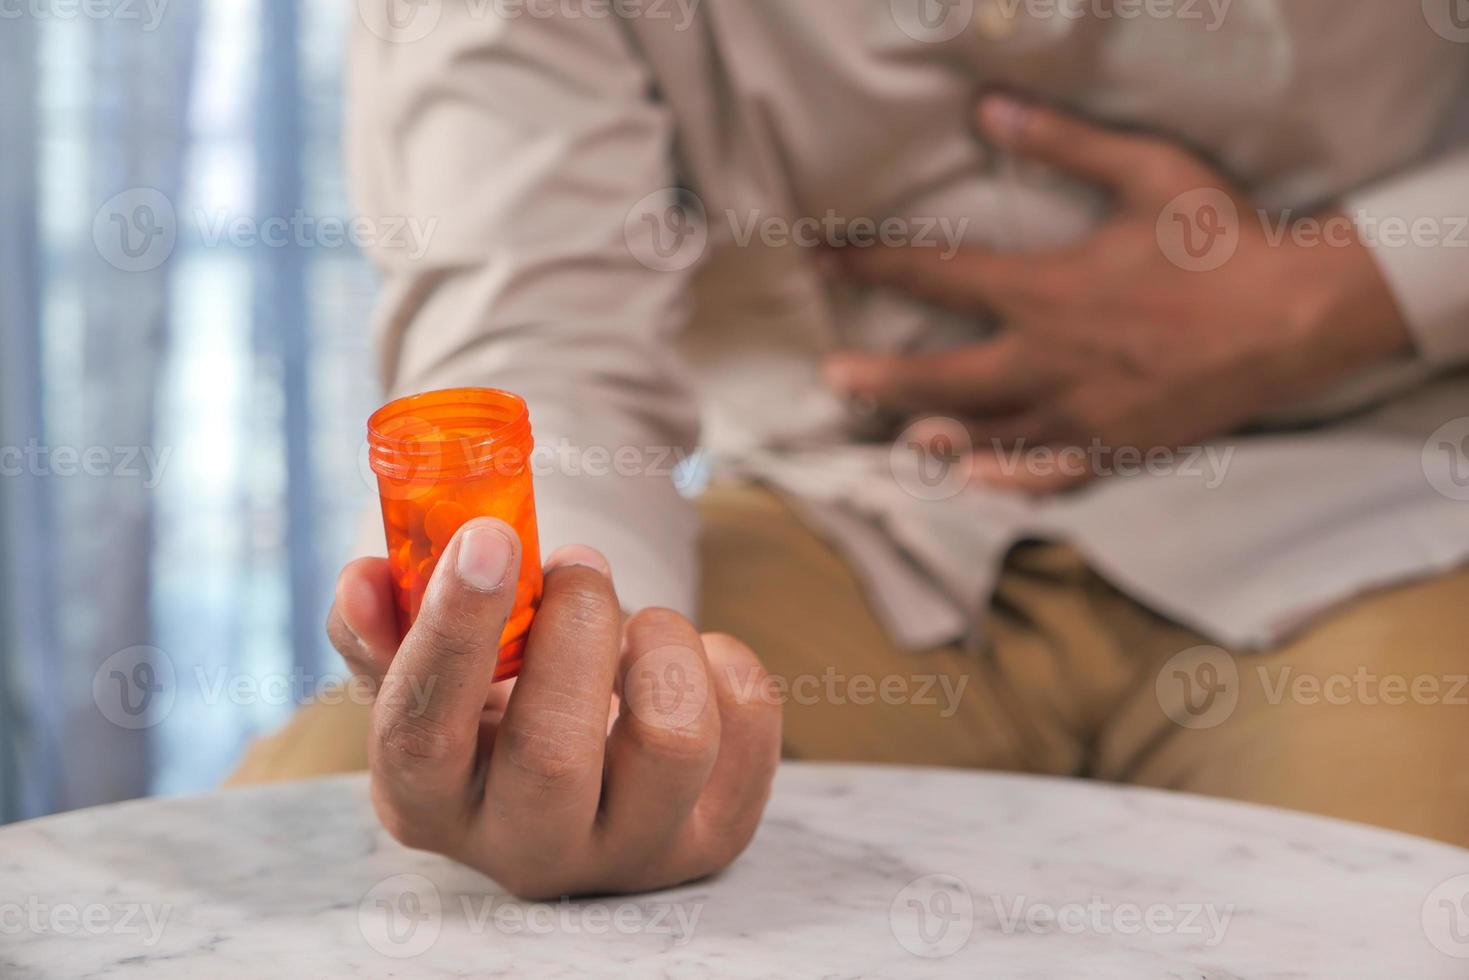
pixel 525 143
pixel 1136 339
pixel 528 141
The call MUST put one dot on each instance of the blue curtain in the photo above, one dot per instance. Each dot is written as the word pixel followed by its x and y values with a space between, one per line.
pixel 182 392
pixel 24 514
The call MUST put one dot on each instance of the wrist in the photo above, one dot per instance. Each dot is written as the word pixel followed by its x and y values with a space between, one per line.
pixel 1341 311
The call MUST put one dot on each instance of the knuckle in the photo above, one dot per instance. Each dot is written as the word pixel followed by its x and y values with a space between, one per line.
pixel 584 599
pixel 407 741
pixel 591 611
pixel 552 760
pixel 690 745
pixel 448 633
pixel 666 689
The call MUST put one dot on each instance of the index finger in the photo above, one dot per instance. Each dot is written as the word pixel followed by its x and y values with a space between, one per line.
pixel 545 773
pixel 973 280
pixel 996 376
pixel 362 625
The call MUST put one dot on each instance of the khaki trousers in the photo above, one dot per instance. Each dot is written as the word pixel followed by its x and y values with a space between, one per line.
pixel 1365 716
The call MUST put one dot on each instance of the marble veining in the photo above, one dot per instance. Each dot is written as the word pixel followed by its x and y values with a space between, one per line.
pixel 856 872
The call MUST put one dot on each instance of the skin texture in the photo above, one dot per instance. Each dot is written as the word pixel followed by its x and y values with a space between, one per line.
pixel 631 753
pixel 1109 339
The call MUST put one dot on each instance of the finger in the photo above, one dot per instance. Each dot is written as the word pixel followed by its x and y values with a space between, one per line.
pixel 426 717
pixel 571 555
pixel 1127 162
pixel 975 281
pixel 729 810
pixel 663 745
pixel 1062 471
pixel 996 376
pixel 499 697
pixel 545 773
pixel 362 624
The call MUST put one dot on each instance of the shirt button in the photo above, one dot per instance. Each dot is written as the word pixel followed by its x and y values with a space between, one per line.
pixel 994 23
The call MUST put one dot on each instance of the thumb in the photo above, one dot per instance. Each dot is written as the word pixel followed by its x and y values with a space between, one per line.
pixel 1137 166
pixel 437 684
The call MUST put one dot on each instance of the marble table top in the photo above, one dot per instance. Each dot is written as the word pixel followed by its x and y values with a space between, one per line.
pixel 856 872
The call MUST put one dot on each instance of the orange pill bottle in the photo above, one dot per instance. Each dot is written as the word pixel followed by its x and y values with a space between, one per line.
pixel 442 458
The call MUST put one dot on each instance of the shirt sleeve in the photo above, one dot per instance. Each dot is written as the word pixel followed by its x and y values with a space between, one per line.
pixel 509 154
pixel 1417 227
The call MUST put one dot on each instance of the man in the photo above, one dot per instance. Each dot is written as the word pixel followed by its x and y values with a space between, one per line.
pixel 1176 299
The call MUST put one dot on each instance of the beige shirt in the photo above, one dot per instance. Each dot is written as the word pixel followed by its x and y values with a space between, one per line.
pixel 545 139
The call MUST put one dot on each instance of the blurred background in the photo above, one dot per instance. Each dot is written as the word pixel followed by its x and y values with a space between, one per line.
pixel 184 381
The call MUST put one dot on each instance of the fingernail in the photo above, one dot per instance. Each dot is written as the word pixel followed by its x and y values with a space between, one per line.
pixel 579 554
pixel 484 557
pixel 352 635
pixel 1004 117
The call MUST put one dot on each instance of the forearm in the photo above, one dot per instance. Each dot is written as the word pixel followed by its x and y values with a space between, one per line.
pixel 1345 316
pixel 524 144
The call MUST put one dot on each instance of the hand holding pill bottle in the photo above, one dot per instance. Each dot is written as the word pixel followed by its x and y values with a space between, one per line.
pixel 441 459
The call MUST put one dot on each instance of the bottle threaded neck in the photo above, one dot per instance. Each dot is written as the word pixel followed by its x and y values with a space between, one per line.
pixel 457 433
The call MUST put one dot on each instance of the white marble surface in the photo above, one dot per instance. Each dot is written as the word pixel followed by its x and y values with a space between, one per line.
pixel 856 872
